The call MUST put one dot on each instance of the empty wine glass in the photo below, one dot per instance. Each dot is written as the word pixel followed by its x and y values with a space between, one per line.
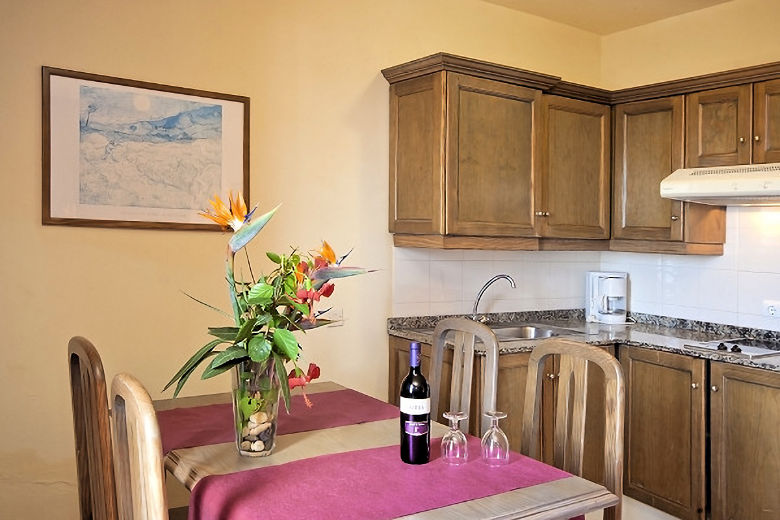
pixel 495 445
pixel 454 446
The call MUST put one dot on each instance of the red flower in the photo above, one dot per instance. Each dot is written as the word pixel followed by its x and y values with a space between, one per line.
pixel 303 379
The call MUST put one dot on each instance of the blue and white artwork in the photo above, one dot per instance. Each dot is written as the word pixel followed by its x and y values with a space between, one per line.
pixel 138 149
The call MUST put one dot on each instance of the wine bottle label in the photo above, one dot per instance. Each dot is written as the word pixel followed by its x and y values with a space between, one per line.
pixel 416 428
pixel 415 406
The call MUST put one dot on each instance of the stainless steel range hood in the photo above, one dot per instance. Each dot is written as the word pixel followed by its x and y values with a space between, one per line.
pixel 748 185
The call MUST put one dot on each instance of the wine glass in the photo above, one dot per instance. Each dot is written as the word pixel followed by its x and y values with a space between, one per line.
pixel 454 446
pixel 495 445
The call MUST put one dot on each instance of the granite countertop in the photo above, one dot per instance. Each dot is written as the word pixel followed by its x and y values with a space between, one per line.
pixel 648 331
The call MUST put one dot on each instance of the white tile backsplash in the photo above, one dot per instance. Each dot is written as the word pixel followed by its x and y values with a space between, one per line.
pixel 724 289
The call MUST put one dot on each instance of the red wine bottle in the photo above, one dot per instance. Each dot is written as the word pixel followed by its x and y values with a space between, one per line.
pixel 415 412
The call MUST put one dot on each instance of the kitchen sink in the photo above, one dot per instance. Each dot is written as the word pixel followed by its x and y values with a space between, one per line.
pixel 523 332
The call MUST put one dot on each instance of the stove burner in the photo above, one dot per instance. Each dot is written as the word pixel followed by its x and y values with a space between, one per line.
pixel 738 347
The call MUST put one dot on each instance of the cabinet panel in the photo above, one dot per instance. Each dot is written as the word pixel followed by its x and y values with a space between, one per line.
pixel 575 168
pixel 745 421
pixel 664 436
pixel 718 127
pixel 491 170
pixel 766 122
pixel 648 147
pixel 416 155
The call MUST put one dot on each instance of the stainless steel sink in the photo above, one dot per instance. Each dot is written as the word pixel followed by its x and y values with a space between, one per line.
pixel 523 332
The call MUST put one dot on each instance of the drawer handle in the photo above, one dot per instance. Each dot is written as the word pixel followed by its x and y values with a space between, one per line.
pixel 675 218
pixel 715 388
pixel 741 139
pixel 756 138
pixel 694 385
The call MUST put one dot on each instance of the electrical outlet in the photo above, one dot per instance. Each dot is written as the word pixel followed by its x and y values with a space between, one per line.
pixel 337 315
pixel 772 308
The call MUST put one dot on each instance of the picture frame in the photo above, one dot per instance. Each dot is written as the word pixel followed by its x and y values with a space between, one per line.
pixel 123 153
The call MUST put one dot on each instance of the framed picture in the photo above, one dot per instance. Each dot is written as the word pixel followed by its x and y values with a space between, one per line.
pixel 125 153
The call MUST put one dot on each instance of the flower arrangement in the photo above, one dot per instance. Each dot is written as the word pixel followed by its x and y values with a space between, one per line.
pixel 265 312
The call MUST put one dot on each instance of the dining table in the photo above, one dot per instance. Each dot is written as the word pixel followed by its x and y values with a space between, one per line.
pixel 340 459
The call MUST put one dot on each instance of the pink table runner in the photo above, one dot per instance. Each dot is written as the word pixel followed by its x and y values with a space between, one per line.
pixel 360 485
pixel 213 424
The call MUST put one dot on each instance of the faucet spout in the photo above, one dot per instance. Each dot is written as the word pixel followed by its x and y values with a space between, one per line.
pixel 484 288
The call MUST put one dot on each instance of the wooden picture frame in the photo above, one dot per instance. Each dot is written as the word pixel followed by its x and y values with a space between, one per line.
pixel 132 154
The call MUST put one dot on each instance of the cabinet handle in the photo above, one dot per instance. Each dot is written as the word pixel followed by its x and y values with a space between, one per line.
pixel 694 385
pixel 756 138
pixel 546 213
pixel 714 388
pixel 741 139
pixel 542 213
pixel 550 376
pixel 675 218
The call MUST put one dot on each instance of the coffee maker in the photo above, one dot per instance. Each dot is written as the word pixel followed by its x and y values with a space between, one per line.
pixel 605 297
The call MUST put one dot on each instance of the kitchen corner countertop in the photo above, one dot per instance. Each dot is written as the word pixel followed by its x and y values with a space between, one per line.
pixel 654 336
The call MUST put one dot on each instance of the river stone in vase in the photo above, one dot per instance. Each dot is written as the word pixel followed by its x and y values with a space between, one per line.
pixel 255 405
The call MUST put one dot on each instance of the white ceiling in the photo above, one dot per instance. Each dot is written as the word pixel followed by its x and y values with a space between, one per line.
pixel 606 16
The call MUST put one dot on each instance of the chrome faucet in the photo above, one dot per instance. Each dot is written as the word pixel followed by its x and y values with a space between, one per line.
pixel 484 288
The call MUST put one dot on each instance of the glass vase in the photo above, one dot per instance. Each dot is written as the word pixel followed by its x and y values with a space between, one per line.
pixel 255 405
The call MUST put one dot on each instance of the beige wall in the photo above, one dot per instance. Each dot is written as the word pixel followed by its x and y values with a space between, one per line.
pixel 727 36
pixel 319 145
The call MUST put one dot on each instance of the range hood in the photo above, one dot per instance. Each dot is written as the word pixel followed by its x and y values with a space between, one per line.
pixel 747 185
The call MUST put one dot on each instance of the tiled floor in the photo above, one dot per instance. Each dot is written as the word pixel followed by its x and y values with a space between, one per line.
pixel 633 510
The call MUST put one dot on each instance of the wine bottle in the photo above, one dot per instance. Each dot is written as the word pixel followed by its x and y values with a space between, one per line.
pixel 415 412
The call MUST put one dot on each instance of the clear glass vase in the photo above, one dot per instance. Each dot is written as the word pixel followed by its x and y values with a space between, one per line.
pixel 255 405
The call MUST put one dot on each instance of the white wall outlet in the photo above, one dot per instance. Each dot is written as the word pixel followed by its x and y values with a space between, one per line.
pixel 771 308
pixel 337 315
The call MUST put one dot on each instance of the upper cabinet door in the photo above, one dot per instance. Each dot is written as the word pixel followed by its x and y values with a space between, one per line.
pixel 417 155
pixel 575 170
pixel 718 127
pixel 766 122
pixel 492 149
pixel 648 147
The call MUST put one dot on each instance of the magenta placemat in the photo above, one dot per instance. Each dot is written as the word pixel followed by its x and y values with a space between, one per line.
pixel 360 485
pixel 213 424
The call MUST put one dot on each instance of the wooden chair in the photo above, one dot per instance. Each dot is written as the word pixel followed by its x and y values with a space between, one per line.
pixel 466 332
pixel 140 478
pixel 97 497
pixel 569 435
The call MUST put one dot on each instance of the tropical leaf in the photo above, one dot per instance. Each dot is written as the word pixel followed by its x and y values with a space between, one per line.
pixel 229 354
pixel 225 333
pixel 285 342
pixel 273 257
pixel 259 348
pixel 183 379
pixel 205 304
pixel 321 276
pixel 318 322
pixel 245 330
pixel 195 360
pixel 211 372
pixel 281 373
pixel 248 231
pixel 261 294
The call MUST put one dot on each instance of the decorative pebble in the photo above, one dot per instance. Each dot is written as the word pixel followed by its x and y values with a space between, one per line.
pixel 258 418
pixel 245 431
pixel 257 446
pixel 246 445
pixel 259 428
pixel 267 434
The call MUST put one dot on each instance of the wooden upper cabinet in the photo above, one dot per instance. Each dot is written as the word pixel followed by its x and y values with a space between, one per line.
pixel 718 127
pixel 417 155
pixel 766 122
pixel 492 143
pixel 575 169
pixel 745 446
pixel 665 431
pixel 648 147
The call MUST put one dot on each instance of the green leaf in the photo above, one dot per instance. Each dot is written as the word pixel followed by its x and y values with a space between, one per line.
pixel 248 231
pixel 183 379
pixel 303 308
pixel 262 319
pixel 206 304
pixel 318 322
pixel 211 372
pixel 245 330
pixel 195 360
pixel 273 257
pixel 261 294
pixel 281 373
pixel 229 354
pixel 224 333
pixel 285 342
pixel 247 405
pixel 231 280
pixel 259 348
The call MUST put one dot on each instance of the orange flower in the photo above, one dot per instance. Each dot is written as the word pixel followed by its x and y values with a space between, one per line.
pixel 327 252
pixel 234 216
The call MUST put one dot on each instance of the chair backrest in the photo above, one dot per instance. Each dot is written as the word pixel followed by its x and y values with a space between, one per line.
pixel 464 333
pixel 138 459
pixel 569 435
pixel 92 428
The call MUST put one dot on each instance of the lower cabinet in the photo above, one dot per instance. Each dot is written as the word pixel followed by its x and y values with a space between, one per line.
pixel 745 443
pixel 510 397
pixel 674 403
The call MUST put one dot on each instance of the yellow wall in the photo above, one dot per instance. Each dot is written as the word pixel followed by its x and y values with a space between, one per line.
pixel 319 144
pixel 727 36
